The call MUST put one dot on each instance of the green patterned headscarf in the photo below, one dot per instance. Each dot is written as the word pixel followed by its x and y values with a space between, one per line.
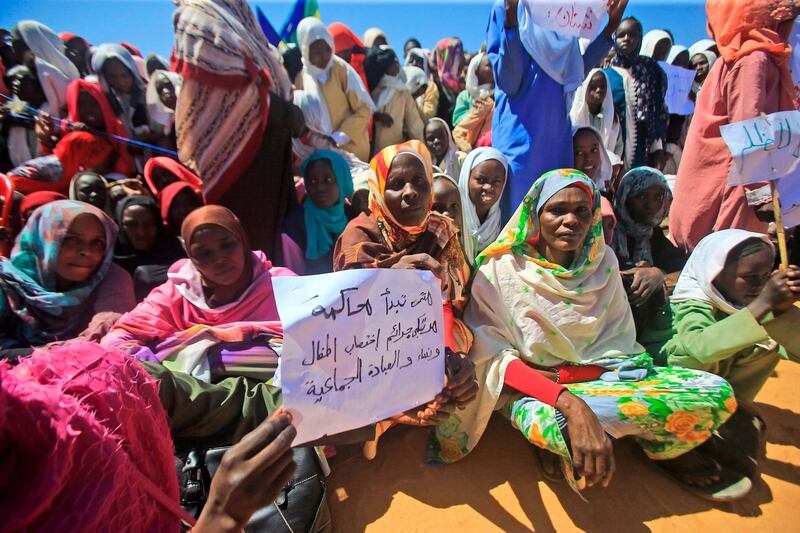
pixel 522 232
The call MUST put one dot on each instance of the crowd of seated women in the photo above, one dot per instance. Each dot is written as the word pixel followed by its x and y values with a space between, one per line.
pixel 137 294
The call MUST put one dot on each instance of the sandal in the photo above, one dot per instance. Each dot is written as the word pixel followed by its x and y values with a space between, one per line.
pixel 739 442
pixel 693 466
pixel 549 464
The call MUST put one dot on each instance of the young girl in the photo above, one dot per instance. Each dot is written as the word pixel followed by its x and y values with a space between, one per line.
pixel 481 184
pixel 311 230
pixel 594 106
pixel 447 200
pixel 444 153
pixel 396 116
pixel 591 157
pixel 124 88
pixel 337 87
pixel 734 317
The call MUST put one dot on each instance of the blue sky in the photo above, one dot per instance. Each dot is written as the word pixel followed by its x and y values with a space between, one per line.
pixel 148 23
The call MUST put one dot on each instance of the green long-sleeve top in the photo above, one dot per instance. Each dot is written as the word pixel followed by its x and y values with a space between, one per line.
pixel 463 105
pixel 704 335
pixel 205 415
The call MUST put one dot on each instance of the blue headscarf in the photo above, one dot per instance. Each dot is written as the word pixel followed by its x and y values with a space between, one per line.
pixel 323 226
pixel 33 311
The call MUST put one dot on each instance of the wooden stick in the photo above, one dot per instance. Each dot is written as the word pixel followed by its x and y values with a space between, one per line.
pixel 776 207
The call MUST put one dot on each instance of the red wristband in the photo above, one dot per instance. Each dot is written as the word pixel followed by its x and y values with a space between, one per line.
pixel 449 341
pixel 526 380
pixel 579 373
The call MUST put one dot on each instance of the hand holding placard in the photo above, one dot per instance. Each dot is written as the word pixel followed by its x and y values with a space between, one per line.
pixel 359 346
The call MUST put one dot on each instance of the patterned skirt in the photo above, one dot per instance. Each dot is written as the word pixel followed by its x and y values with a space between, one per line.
pixel 668 414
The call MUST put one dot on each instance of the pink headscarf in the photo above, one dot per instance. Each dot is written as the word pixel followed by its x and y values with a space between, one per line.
pixel 84 443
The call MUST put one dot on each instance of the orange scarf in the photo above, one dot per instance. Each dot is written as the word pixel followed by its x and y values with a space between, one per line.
pixel 741 27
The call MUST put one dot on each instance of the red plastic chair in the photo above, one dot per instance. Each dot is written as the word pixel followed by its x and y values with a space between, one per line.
pixel 7 192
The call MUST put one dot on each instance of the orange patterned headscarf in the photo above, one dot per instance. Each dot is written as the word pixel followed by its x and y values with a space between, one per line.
pixel 741 27
pixel 395 234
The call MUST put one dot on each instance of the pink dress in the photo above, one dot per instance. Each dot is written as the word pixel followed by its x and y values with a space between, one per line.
pixel 703 202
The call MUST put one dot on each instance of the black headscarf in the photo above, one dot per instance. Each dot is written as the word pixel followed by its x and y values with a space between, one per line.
pixel 377 62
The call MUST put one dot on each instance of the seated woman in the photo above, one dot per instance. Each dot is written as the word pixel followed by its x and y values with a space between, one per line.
pixel 481 185
pixel 442 147
pixel 337 86
pixel 649 262
pixel 216 314
pixel 90 188
pixel 60 282
pixel 733 316
pixel 144 247
pixel 592 158
pixel 177 201
pixel 396 118
pixel 472 117
pixel 401 231
pixel 548 308
pixel 311 230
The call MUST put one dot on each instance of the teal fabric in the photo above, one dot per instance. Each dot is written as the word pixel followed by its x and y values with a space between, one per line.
pixel 463 105
pixel 323 226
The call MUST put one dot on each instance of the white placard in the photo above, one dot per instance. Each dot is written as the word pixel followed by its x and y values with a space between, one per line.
pixel 359 346
pixel 679 83
pixel 578 18
pixel 789 195
pixel 763 148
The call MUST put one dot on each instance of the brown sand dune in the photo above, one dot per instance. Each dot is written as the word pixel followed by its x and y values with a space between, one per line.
pixel 499 488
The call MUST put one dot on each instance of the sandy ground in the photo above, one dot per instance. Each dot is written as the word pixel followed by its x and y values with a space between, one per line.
pixel 499 488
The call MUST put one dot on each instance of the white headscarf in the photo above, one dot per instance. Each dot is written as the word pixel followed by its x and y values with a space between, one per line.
pixel 701 46
pixel 46 46
pixel 478 236
pixel 557 54
pixel 420 53
pixel 371 35
pixel 309 31
pixel 473 88
pixel 449 163
pixel 705 264
pixel 415 78
pixel 651 39
pixel 580 116
pixel 711 57
pixel 674 52
pixel 320 137
pixel 157 112
pixel 606 165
